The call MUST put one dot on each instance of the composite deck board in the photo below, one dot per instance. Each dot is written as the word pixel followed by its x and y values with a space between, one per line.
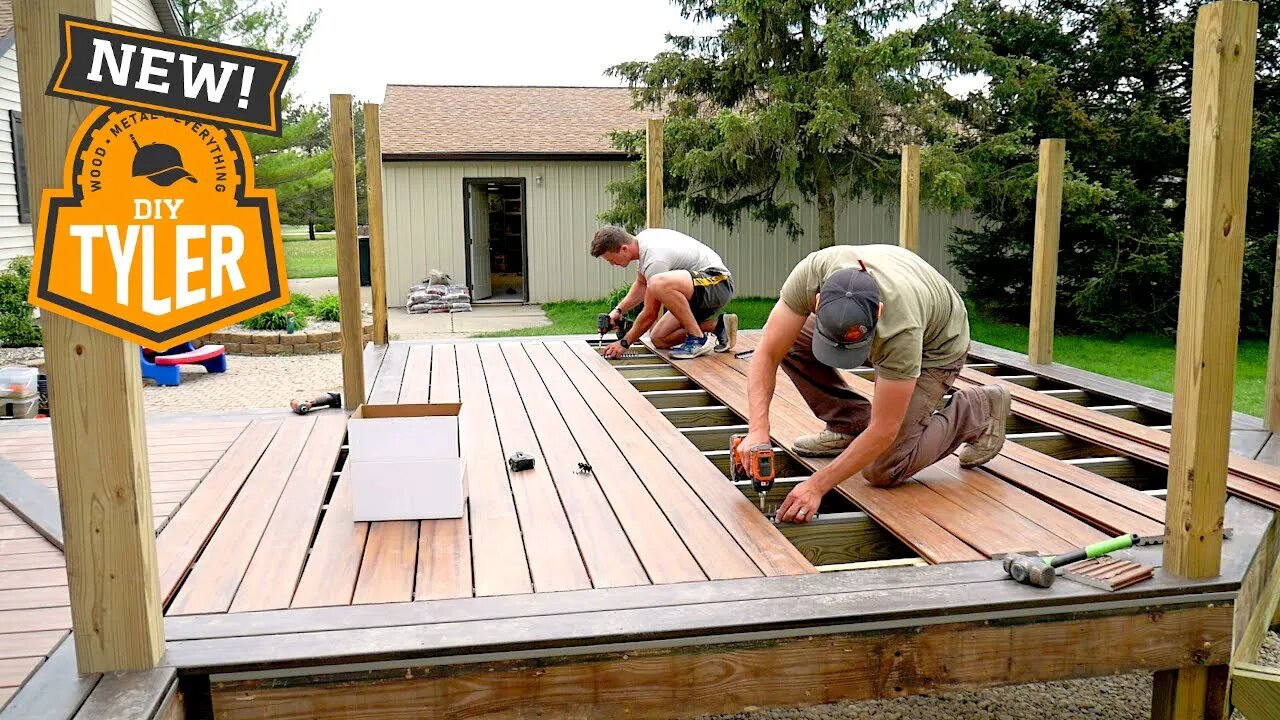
pixel 34 597
pixel 444 546
pixel 610 559
pixel 28 644
pixel 499 563
pixel 215 576
pixel 389 563
pixel 555 560
pixel 664 553
pixel 30 545
pixel 329 577
pixel 712 545
pixel 1246 477
pixel 190 528
pixel 32 561
pixel 276 567
pixel 899 510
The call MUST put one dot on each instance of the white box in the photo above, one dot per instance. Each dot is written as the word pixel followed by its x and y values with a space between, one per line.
pixel 404 462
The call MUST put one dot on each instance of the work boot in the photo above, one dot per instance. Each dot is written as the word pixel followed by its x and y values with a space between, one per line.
pixel 726 332
pixel 992 439
pixel 827 443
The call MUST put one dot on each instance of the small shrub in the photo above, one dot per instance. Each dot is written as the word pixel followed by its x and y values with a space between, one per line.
pixel 17 327
pixel 326 308
pixel 302 301
pixel 278 319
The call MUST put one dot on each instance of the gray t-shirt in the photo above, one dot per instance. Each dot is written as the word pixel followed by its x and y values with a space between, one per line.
pixel 662 250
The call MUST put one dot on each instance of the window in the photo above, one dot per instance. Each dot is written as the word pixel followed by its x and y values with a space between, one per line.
pixel 20 166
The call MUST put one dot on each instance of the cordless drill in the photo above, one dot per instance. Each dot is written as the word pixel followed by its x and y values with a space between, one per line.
pixel 756 463
pixel 603 324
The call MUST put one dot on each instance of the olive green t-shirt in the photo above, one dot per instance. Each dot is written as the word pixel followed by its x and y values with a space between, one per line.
pixel 924 322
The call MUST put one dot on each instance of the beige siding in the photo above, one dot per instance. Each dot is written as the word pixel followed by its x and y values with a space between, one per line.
pixel 15 237
pixel 424 222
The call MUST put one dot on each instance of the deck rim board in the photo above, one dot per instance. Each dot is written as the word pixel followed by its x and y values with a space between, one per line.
pixel 444 546
pixel 495 523
pixel 190 528
pixel 755 534
pixel 139 694
pixel 610 558
pixel 389 563
pixel 548 635
pixel 275 569
pixel 712 546
pixel 216 574
pixel 555 560
pixel 923 535
pixel 31 501
pixel 664 553
pixel 56 690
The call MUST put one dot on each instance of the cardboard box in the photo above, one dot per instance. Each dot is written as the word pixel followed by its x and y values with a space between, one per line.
pixel 404 462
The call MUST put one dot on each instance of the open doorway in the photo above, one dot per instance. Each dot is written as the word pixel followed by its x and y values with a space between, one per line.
pixel 495 239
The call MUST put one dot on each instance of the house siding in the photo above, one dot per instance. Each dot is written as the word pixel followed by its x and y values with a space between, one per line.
pixel 15 237
pixel 424 212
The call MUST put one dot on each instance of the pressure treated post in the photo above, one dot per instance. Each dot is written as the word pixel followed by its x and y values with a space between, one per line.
pixel 1271 413
pixel 1208 321
pixel 653 173
pixel 377 240
pixel 96 413
pixel 909 211
pixel 344 215
pixel 1044 268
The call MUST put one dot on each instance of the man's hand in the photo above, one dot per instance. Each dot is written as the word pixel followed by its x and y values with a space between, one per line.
pixel 614 350
pixel 615 317
pixel 802 502
pixel 754 437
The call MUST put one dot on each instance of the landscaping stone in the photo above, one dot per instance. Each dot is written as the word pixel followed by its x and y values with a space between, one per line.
pixel 252 349
pixel 307 349
pixel 331 345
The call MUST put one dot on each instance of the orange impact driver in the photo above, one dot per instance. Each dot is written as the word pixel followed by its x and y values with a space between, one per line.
pixel 756 464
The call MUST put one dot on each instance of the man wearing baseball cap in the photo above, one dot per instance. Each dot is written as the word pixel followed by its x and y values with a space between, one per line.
pixel 881 305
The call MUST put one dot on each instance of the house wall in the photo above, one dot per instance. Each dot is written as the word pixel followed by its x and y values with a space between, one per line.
pixel 15 237
pixel 424 211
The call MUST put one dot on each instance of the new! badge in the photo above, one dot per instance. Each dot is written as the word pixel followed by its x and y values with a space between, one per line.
pixel 158 235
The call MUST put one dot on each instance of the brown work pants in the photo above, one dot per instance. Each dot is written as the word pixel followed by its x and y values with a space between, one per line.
pixel 929 431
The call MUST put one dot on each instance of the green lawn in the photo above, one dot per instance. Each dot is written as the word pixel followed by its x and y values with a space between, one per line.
pixel 1142 359
pixel 311 258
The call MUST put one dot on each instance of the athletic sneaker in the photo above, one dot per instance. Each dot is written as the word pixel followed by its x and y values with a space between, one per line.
pixel 726 332
pixel 692 347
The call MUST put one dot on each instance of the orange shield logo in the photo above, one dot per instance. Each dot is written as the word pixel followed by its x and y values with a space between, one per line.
pixel 158 236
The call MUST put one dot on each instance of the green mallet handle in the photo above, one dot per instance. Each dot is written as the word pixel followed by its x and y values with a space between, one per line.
pixel 1094 550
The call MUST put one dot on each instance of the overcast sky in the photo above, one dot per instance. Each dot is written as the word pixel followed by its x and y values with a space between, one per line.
pixel 360 46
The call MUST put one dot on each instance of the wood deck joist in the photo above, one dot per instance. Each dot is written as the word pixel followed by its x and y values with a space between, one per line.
pixel 1023 498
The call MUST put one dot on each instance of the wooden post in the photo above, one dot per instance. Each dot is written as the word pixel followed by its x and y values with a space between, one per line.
pixel 1208 319
pixel 377 240
pixel 653 173
pixel 344 215
pixel 1271 413
pixel 1044 268
pixel 909 209
pixel 95 403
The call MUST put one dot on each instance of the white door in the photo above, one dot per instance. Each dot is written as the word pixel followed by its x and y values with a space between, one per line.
pixel 481 287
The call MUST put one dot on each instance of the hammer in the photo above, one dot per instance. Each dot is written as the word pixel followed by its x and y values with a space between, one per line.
pixel 1040 571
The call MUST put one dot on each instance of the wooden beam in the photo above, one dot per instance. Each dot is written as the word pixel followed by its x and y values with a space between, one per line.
pixel 95 397
pixel 909 205
pixel 377 235
pixel 1255 691
pixel 671 683
pixel 1271 411
pixel 653 173
pixel 344 215
pixel 1209 307
pixel 1208 318
pixel 1044 267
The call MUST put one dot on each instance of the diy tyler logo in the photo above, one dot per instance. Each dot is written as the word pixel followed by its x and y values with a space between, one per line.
pixel 162 238
pixel 158 235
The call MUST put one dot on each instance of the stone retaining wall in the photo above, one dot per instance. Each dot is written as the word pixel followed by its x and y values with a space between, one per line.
pixel 302 342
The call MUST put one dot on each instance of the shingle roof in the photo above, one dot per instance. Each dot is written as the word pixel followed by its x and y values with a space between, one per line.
pixel 440 121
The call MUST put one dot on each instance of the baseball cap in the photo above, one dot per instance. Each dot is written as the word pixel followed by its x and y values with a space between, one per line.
pixel 160 163
pixel 848 305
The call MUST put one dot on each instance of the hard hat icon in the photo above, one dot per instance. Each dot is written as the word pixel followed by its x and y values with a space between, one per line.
pixel 159 163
